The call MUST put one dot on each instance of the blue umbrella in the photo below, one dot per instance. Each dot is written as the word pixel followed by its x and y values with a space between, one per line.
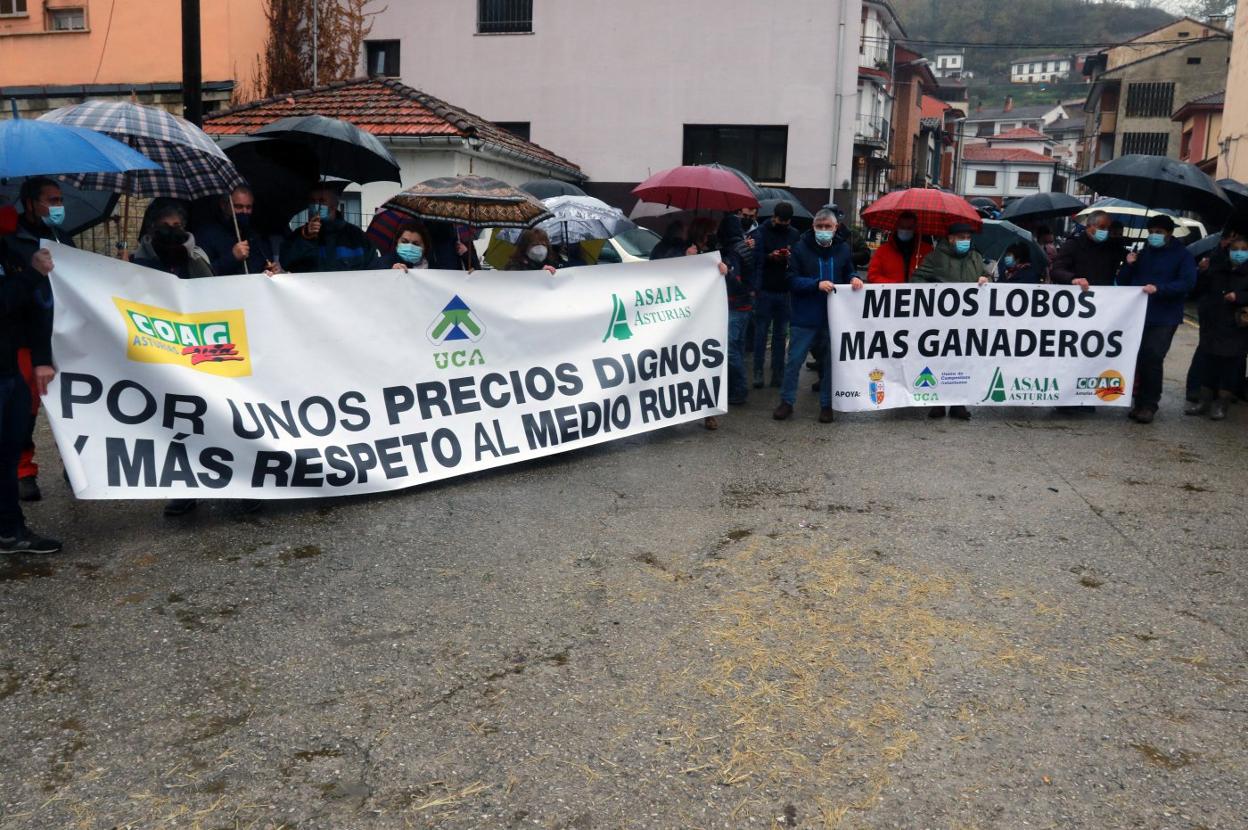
pixel 42 148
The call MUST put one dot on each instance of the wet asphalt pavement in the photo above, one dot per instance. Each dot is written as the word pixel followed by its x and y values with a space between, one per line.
pixel 1028 621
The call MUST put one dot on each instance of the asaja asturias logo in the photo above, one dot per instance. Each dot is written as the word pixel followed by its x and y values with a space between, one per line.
pixel 213 342
pixel 1020 389
pixel 456 325
pixel 650 306
pixel 1110 385
pixel 876 390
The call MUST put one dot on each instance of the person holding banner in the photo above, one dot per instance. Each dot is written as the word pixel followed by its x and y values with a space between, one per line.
pixel 818 263
pixel 1091 258
pixel 1016 266
pixel 899 256
pixel 1166 271
pixel 953 260
pixel 166 245
pixel 233 246
pixel 326 242
pixel 411 249
pixel 533 253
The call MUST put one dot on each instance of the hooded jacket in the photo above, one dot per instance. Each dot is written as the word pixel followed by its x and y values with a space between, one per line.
pixel 811 264
pixel 1081 257
pixel 1171 268
pixel 890 264
pixel 944 265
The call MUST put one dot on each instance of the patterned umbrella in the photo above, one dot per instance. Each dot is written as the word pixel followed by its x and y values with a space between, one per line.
pixel 194 166
pixel 935 209
pixel 476 201
pixel 577 219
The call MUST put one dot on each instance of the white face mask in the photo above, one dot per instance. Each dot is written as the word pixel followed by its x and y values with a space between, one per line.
pixel 538 253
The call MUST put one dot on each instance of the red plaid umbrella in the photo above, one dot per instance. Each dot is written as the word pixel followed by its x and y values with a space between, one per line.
pixel 697 188
pixel 936 210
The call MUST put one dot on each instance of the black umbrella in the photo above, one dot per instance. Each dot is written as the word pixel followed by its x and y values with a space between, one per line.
pixel 343 150
pixel 1236 192
pixel 983 201
pixel 1042 206
pixel 1158 182
pixel 280 173
pixel 801 216
pixel 1204 247
pixel 998 234
pixel 550 188
pixel 84 209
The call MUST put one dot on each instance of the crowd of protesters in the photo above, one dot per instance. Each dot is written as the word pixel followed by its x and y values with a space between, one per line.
pixel 777 281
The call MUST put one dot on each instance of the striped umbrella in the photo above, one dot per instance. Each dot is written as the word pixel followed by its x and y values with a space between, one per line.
pixel 475 201
pixel 936 210
pixel 193 165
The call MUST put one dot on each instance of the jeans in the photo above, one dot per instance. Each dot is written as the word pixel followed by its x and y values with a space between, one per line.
pixel 1150 365
pixel 738 388
pixel 14 416
pixel 801 341
pixel 771 309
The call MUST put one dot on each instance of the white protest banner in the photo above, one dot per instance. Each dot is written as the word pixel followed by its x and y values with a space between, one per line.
pixel 996 345
pixel 333 384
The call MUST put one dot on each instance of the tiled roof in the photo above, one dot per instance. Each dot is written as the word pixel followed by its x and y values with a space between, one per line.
pixel 1213 98
pixel 933 107
pixel 999 113
pixel 1021 134
pixel 1063 124
pixel 982 152
pixel 383 107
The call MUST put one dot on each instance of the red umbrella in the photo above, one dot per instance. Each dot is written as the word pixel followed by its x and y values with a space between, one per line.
pixel 936 210
pixel 696 188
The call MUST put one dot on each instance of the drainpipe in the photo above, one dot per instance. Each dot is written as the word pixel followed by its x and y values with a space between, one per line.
pixel 838 102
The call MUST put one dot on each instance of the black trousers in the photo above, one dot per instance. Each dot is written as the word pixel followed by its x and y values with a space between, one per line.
pixel 1221 374
pixel 1150 365
pixel 14 421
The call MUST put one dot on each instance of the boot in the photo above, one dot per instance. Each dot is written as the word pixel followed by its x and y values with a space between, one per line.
pixel 1217 409
pixel 1200 406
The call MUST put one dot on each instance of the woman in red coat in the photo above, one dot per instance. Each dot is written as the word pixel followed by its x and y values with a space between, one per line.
pixel 899 257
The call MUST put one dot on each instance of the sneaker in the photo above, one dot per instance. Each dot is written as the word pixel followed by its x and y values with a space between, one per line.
pixel 960 412
pixel 783 411
pixel 28 542
pixel 28 489
pixel 826 415
pixel 937 412
pixel 711 423
pixel 180 507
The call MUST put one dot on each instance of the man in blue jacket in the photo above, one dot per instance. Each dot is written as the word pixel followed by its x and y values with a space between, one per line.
pixel 818 262
pixel 774 241
pixel 1167 273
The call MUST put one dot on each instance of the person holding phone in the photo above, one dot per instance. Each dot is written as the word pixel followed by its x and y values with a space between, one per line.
pixel 773 247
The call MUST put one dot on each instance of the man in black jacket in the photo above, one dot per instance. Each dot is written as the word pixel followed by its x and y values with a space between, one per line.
pixel 227 253
pixel 774 240
pixel 1091 258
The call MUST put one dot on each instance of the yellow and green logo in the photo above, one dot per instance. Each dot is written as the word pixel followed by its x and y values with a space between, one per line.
pixel 213 342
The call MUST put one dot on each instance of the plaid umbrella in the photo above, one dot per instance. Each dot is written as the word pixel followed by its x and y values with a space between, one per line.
pixel 194 166
pixel 935 209
pixel 476 201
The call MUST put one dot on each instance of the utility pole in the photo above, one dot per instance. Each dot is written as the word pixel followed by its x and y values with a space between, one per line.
pixel 192 65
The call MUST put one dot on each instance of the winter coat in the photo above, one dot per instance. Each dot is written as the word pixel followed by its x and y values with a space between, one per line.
pixel 1173 270
pixel 1219 334
pixel 218 240
pixel 25 296
pixel 1022 273
pixel 891 264
pixel 669 249
pixel 340 246
pixel 196 266
pixel 772 274
pixel 811 264
pixel 1081 257
pixel 944 265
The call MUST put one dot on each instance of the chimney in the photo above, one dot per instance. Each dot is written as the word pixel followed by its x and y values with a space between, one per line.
pixel 1009 103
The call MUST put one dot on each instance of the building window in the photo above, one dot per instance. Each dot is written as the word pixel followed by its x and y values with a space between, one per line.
pixel 1150 100
pixel 1193 61
pixel 382 57
pixel 1029 180
pixel 984 130
pixel 759 152
pixel 12 8
pixel 520 129
pixel 1005 128
pixel 985 178
pixel 1185 34
pixel 67 20
pixel 1185 146
pixel 1150 144
pixel 504 17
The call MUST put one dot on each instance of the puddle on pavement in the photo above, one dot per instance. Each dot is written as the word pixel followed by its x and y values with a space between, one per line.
pixel 23 569
pixel 1168 760
pixel 301 552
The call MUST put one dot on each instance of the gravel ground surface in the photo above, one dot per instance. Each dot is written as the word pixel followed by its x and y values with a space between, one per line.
pixel 1029 621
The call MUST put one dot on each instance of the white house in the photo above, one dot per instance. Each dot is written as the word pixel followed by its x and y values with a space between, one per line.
pixel 983 123
pixel 1001 172
pixel 950 63
pixel 628 89
pixel 1040 69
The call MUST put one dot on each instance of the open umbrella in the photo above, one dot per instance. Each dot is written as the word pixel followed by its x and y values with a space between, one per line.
pixel 191 164
pixel 575 219
pixel 998 234
pixel 1158 182
pixel 750 184
pixel 1236 192
pixel 935 209
pixel 1204 247
pixel 84 209
pixel 342 149
pixel 43 148
pixel 767 209
pixel 280 174
pixel 550 188
pixel 1042 206
pixel 476 201
pixel 702 187
pixel 1134 218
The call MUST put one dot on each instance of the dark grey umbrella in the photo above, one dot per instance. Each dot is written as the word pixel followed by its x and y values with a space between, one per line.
pixel 550 188
pixel 998 234
pixel 84 209
pixel 1042 206
pixel 1204 247
pixel 1159 182
pixel 1235 191
pixel 801 216
pixel 342 149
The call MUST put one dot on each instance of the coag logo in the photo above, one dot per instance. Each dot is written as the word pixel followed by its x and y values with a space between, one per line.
pixel 213 342
pixel 618 327
pixel 876 390
pixel 1108 386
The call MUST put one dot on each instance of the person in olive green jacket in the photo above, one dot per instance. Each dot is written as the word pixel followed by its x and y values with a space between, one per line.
pixel 953 260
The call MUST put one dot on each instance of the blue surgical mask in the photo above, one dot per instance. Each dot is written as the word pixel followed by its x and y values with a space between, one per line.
pixel 318 210
pixel 905 236
pixel 409 252
pixel 1100 234
pixel 1239 257
pixel 825 237
pixel 1156 240
pixel 1008 260
pixel 962 246
pixel 56 215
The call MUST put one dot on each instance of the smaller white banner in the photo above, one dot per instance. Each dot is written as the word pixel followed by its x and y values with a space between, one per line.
pixel 992 345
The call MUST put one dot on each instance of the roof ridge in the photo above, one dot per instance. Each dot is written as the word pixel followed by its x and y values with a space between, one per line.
pixel 294 93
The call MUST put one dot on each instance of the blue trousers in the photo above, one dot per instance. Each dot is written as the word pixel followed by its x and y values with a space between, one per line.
pixel 771 310
pixel 738 388
pixel 801 341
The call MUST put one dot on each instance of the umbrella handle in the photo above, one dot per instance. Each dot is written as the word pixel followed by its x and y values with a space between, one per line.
pixel 238 236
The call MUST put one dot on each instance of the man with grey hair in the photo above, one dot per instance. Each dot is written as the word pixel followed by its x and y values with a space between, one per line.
pixel 1091 258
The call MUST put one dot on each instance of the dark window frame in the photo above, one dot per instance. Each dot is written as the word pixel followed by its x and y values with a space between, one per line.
pixel 991 175
pixel 1018 182
pixel 384 44
pixel 1149 144
pixel 688 151
pixel 18 8
pixel 1150 99
pixel 504 17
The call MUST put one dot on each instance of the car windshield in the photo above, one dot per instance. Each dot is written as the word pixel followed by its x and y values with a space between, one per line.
pixel 638 242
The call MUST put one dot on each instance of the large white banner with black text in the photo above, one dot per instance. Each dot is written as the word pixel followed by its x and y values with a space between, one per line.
pixel 995 345
pixel 332 384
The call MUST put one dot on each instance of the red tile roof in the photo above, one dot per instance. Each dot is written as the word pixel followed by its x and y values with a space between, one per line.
pixel 933 107
pixel 982 152
pixel 1021 134
pixel 382 107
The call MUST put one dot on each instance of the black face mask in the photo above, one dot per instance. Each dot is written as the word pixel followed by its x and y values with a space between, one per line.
pixel 170 244
pixel 244 223
pixel 747 222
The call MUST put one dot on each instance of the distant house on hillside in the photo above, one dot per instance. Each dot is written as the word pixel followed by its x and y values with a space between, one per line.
pixel 1017 162
pixel 950 63
pixel 1039 69
pixel 984 122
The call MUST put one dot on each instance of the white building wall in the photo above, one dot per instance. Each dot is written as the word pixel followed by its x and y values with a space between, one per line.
pixel 610 85
pixel 1007 178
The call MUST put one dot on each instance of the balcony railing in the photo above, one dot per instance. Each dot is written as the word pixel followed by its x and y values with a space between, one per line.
pixel 871 128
